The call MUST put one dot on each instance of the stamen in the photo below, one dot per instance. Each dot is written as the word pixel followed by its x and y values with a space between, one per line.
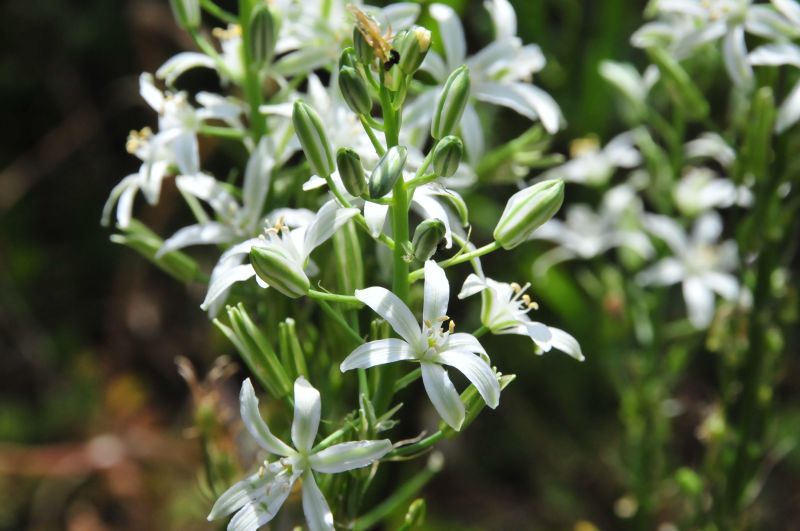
pixel 515 287
pixel 452 326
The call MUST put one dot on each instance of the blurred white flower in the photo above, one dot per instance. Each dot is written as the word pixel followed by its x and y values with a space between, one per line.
pixel 594 166
pixel 505 311
pixel 701 264
pixel 429 345
pixel 683 26
pixel 778 55
pixel 257 499
pixel 500 74
pixel 701 189
pixel 173 148
pixel 586 233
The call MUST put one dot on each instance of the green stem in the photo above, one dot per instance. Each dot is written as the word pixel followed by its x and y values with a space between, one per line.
pixel 376 143
pixel 409 378
pixel 338 319
pixel 216 11
pixel 332 297
pixel 480 331
pixel 458 259
pixel 221 132
pixel 360 220
pixel 417 447
pixel 252 78
pixel 399 498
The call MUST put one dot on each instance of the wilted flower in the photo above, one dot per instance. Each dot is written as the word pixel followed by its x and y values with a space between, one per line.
pixel 257 499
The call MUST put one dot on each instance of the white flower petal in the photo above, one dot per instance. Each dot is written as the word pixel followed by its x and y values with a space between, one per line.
pixel 257 177
pixel 472 285
pixel 349 455
pixel 307 405
pixel 174 67
pixel 567 344
pixel 248 408
pixel 400 15
pixel 528 100
pixel 789 111
pixel 776 54
pixel 465 342
pixel 209 190
pixel 707 228
pixel 699 302
pixel 790 9
pixel 443 395
pixel 455 45
pixel 726 285
pixel 734 54
pixel 663 273
pixel 472 134
pixel 122 194
pixel 201 234
pixel 393 310
pixel 327 221
pixel 238 495
pixel 318 514
pixel 149 92
pixel 437 292
pixel 220 285
pixel 668 230
pixel 376 353
pixel 477 372
pixel 375 216
pixel 503 17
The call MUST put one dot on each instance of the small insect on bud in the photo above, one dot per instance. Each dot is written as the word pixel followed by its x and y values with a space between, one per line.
pixel 186 13
pixel 447 156
pixel 363 51
pixel 354 90
pixel 388 170
pixel 412 45
pixel 527 210
pixel 451 103
pixel 427 238
pixel 310 131
pixel 262 35
pixel 350 170
pixel 279 271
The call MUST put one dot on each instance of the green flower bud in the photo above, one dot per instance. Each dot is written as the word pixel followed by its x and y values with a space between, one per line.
pixel 413 46
pixel 451 103
pixel 348 58
pixel 279 271
pixel 354 91
pixel 186 13
pixel 415 516
pixel 427 237
pixel 262 35
pixel 527 210
pixel 447 156
pixel 350 170
pixel 310 131
pixel 386 173
pixel 363 50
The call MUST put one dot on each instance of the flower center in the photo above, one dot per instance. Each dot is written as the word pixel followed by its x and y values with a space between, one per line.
pixel 435 335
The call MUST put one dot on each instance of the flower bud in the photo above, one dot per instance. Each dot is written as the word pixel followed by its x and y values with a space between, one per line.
pixel 447 156
pixel 363 50
pixel 310 131
pixel 262 35
pixel 186 13
pixel 451 103
pixel 386 173
pixel 527 210
pixel 415 516
pixel 412 45
pixel 354 91
pixel 279 271
pixel 348 58
pixel 427 238
pixel 350 170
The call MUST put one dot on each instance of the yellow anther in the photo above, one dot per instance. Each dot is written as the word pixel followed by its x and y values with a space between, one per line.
pixel 526 299
pixel 533 305
pixel 452 326
pixel 231 32
pixel 137 139
pixel 582 146
pixel 515 287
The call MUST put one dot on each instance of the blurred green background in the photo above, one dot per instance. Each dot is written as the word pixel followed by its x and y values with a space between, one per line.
pixel 95 421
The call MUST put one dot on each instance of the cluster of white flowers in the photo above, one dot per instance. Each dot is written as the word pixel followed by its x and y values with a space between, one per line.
pixel 432 143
